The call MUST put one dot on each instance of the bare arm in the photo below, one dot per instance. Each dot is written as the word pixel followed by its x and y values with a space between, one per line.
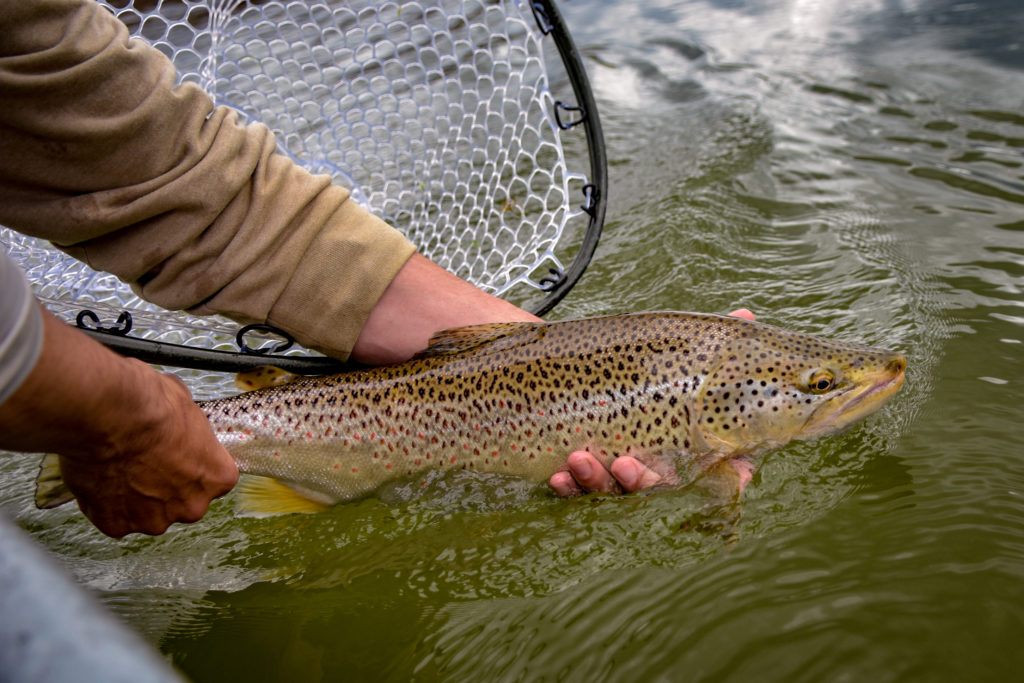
pixel 135 450
pixel 423 299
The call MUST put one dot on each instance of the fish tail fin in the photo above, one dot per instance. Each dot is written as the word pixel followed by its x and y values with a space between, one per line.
pixel 51 491
pixel 257 496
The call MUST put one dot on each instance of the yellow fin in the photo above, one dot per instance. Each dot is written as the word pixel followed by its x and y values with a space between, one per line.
pixel 257 496
pixel 459 339
pixel 263 377
pixel 51 491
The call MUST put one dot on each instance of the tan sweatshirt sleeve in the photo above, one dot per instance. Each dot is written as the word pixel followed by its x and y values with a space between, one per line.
pixel 106 158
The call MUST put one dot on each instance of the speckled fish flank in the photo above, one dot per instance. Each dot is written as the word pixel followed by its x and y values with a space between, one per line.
pixel 517 398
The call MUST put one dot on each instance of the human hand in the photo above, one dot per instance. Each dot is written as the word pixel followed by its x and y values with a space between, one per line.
pixel 135 449
pixel 163 464
pixel 585 473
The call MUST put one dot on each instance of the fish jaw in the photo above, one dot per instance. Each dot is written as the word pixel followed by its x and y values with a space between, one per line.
pixel 849 407
pixel 771 387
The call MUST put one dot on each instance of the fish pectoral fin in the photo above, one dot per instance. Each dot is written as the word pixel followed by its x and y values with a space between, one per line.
pixel 460 339
pixel 51 491
pixel 257 496
pixel 263 377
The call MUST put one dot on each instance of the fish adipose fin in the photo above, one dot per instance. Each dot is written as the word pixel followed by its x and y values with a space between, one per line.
pixel 257 496
pixel 263 377
pixel 461 339
pixel 51 491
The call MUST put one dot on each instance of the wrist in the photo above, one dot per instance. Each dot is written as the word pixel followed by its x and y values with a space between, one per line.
pixel 129 412
pixel 82 400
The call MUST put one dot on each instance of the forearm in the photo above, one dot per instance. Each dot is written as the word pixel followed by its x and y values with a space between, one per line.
pixel 136 452
pixel 424 299
pixel 78 400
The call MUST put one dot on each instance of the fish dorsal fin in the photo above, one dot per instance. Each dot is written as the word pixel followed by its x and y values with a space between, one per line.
pixel 263 377
pixel 51 491
pixel 462 339
pixel 257 496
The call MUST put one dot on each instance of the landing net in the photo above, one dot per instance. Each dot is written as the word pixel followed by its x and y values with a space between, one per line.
pixel 450 119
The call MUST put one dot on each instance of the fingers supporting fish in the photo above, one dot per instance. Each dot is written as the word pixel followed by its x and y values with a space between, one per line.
pixel 743 313
pixel 586 474
pixel 744 469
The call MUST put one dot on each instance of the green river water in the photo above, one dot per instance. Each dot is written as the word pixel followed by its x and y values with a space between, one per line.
pixel 852 168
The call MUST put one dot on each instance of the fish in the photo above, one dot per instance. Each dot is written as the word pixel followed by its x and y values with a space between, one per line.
pixel 517 398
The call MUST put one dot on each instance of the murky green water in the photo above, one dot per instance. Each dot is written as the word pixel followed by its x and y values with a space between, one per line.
pixel 850 168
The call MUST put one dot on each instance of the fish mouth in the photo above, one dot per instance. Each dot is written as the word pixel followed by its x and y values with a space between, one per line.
pixel 854 406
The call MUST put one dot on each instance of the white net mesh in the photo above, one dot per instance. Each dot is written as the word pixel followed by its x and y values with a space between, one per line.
pixel 437 114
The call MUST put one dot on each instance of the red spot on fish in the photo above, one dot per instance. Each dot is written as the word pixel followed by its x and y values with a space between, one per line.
pixel 540 412
pixel 372 436
pixel 277 454
pixel 248 432
pixel 328 432
pixel 513 446
pixel 465 446
pixel 420 435
pixel 356 437
pixel 417 461
pixel 309 435
pixel 388 466
pixel 601 403
pixel 355 471
pixel 452 461
pixel 336 466
pixel 278 432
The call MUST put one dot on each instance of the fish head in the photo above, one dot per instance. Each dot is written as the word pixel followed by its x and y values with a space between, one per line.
pixel 770 386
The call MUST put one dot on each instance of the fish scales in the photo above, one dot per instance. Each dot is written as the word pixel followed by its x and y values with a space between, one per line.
pixel 517 398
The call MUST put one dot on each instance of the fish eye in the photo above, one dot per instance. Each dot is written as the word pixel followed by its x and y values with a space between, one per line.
pixel 821 381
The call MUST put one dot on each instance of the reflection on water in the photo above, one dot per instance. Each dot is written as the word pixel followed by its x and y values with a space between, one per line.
pixel 850 168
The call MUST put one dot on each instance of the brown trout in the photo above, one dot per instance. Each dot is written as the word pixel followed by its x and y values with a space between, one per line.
pixel 517 398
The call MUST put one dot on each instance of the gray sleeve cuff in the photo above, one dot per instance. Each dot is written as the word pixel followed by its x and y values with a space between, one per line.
pixel 21 328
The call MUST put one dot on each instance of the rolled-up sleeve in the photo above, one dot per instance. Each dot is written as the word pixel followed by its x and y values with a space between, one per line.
pixel 21 328
pixel 105 157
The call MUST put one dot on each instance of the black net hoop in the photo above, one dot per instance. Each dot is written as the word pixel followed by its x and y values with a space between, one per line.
pixel 451 119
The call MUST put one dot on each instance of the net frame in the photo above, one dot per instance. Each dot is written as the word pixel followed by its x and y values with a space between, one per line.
pixel 335 82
